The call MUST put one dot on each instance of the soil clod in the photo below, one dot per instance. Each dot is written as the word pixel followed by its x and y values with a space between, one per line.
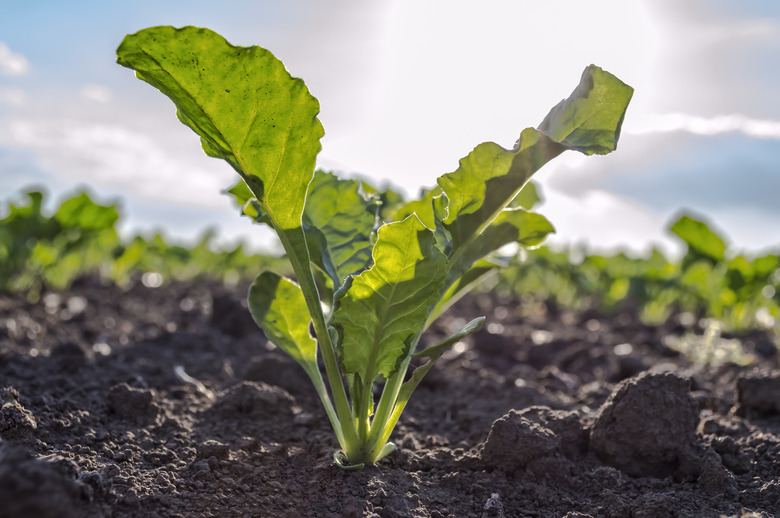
pixel 647 427
pixel 134 404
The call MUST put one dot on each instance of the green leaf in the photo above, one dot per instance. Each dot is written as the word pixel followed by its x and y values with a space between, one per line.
pixel 244 105
pixel 277 305
pixel 527 197
pixel 423 207
pixel 378 313
pixel 84 214
pixel 486 182
pixel 589 120
pixel 433 352
pixel 699 238
pixel 510 226
pixel 247 202
pixel 249 111
pixel 340 221
pixel 764 266
pixel 480 271
pixel 490 177
pixel 389 200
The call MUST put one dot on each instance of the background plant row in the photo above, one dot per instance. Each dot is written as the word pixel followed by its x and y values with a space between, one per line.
pixel 40 251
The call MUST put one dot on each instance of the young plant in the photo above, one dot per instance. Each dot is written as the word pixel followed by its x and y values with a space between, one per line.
pixel 367 287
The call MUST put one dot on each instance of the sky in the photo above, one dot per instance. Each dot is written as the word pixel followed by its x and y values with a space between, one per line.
pixel 406 89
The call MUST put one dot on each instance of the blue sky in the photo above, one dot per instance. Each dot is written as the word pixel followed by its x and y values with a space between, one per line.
pixel 407 88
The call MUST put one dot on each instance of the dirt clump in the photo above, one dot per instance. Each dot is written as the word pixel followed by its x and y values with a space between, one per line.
pixel 518 438
pixel 647 427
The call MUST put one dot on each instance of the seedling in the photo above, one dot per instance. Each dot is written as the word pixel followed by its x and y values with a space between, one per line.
pixel 367 285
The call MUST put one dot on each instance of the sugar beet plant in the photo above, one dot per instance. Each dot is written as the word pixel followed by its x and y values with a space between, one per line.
pixel 370 278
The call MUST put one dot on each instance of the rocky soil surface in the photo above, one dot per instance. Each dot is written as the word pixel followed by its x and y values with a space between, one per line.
pixel 168 402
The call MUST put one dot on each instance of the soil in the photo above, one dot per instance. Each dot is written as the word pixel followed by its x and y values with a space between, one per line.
pixel 168 402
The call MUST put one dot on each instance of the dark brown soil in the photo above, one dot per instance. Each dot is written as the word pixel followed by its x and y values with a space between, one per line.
pixel 169 402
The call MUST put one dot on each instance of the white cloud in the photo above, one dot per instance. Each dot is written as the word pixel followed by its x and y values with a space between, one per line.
pixel 13 96
pixel 604 221
pixel 110 157
pixel 12 64
pixel 96 93
pixel 671 122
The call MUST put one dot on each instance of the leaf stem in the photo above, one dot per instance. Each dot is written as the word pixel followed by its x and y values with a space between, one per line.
pixel 388 400
pixel 294 243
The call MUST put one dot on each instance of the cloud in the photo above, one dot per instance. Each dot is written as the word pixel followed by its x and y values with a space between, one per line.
pixel 681 122
pixel 13 96
pixel 112 157
pixel 704 172
pixel 730 176
pixel 96 93
pixel 12 64
pixel 605 221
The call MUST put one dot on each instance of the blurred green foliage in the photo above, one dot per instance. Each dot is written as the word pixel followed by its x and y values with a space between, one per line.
pixel 49 251
pixel 709 280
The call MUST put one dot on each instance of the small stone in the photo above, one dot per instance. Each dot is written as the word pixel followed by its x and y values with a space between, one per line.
pixel 493 507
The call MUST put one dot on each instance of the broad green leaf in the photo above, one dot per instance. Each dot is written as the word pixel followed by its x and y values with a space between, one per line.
pixel 517 225
pixel 764 266
pixel 343 220
pixel 378 313
pixel 319 256
pixel 240 192
pixel 490 177
pixel 468 281
pixel 486 182
pixel 244 105
pixel 84 214
pixel 422 206
pixel 699 238
pixel 510 226
pixel 739 273
pixel 528 197
pixel 589 120
pixel 279 308
pixel 702 278
pixel 249 111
